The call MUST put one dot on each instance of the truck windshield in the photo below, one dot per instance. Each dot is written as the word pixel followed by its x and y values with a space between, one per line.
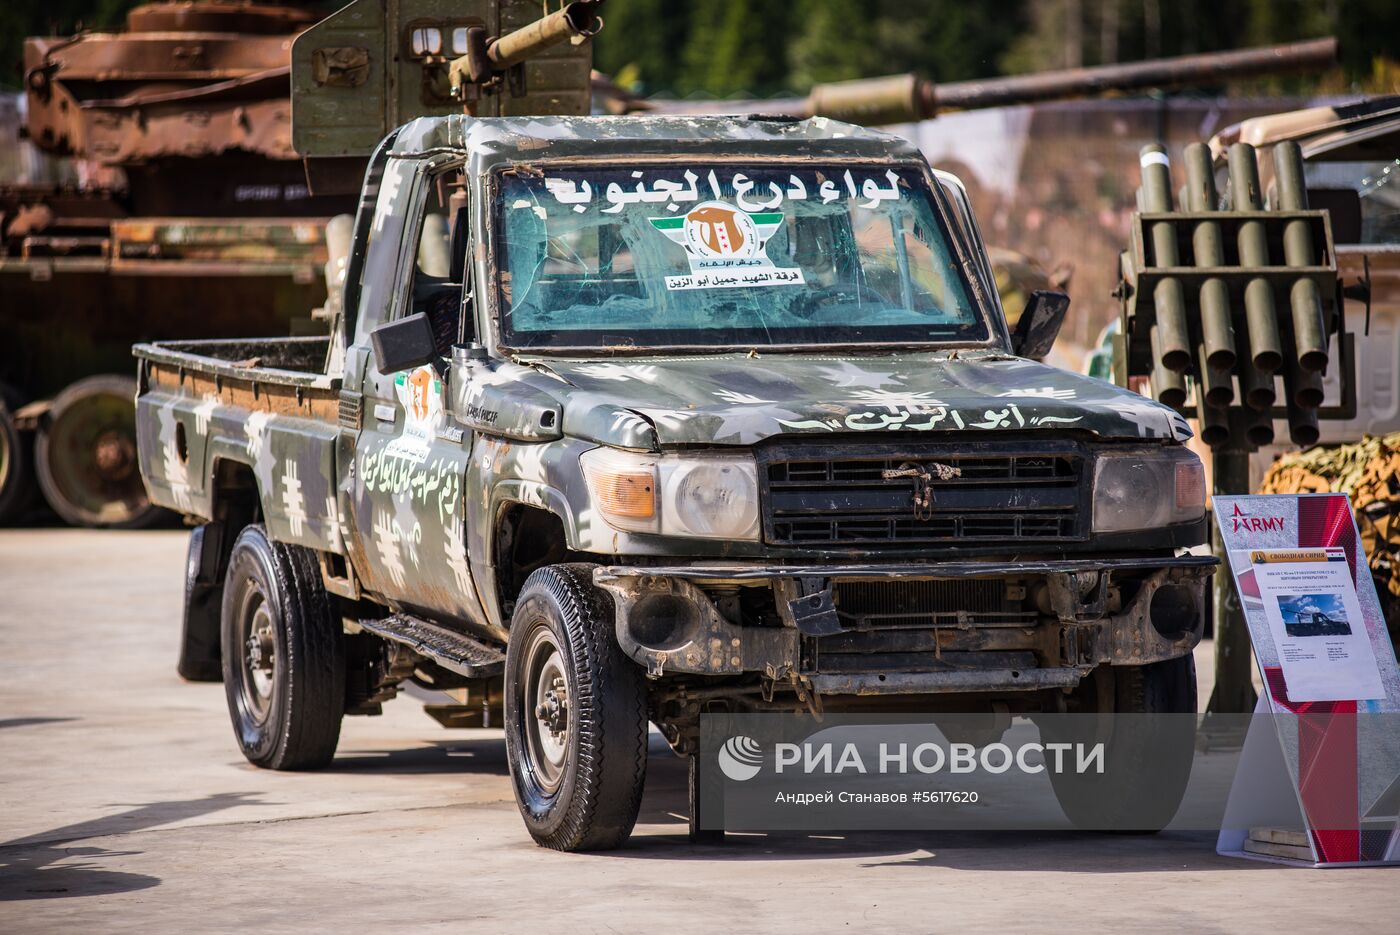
pixel 1375 183
pixel 684 255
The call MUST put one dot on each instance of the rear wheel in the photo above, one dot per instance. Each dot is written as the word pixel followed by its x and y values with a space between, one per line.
pixel 16 463
pixel 85 456
pixel 575 713
pixel 1147 723
pixel 283 655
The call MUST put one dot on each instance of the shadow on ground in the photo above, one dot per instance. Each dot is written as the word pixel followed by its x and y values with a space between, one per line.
pixel 47 866
pixel 437 756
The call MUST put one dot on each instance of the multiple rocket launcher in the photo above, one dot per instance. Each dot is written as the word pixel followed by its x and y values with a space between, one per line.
pixel 1230 297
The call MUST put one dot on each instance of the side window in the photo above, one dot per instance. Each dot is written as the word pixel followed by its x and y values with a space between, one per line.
pixel 439 267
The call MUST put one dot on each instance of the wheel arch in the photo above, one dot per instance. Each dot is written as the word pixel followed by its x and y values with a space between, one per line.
pixel 526 533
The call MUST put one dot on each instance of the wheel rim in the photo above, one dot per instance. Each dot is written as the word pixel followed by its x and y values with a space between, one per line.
pixel 545 712
pixel 90 458
pixel 259 657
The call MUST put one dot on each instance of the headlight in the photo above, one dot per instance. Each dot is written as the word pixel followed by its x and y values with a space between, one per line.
pixel 1146 490
pixel 710 497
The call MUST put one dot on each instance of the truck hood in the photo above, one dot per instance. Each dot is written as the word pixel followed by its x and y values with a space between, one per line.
pixel 734 399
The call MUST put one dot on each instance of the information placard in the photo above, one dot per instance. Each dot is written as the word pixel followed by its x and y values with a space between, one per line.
pixel 1320 639
pixel 1315 620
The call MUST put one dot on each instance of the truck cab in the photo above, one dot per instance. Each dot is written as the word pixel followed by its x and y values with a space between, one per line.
pixel 624 419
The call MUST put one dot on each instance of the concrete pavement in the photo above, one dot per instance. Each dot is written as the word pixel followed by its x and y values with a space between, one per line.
pixel 125 806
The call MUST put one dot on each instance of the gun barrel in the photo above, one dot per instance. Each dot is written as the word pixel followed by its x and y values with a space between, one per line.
pixel 1161 74
pixel 577 19
pixel 904 98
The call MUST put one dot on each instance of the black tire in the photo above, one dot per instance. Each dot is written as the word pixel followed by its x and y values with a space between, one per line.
pixel 85 456
pixel 578 787
pixel 288 716
pixel 1147 758
pixel 200 637
pixel 17 487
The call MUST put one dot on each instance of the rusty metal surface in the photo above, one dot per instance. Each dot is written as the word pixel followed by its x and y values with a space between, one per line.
pixel 103 313
pixel 254 395
pixel 184 120
pixel 182 79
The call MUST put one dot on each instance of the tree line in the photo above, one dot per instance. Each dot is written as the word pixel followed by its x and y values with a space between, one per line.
pixel 765 47
pixel 723 48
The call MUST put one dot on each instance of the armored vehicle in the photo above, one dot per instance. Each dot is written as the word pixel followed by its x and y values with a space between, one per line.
pixel 185 210
pixel 190 210
pixel 701 413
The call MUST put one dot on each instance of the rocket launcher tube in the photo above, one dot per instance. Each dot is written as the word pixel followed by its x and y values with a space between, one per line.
pixel 1217 332
pixel 1214 425
pixel 1309 333
pixel 1257 385
pixel 1304 389
pixel 1216 385
pixel 1259 428
pixel 1174 344
pixel 1168 386
pixel 1303 427
pixel 1264 343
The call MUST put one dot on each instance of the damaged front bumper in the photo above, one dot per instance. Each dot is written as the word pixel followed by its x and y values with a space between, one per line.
pixel 912 628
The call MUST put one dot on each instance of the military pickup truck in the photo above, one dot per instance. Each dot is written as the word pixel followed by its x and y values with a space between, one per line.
pixel 627 419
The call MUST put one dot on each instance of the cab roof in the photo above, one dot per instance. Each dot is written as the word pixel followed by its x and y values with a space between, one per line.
pixel 490 141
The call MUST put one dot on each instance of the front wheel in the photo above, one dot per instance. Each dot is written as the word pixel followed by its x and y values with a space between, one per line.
pixel 283 655
pixel 1146 720
pixel 575 714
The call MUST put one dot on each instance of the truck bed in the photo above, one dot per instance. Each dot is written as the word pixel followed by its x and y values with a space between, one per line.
pixel 286 361
pixel 264 406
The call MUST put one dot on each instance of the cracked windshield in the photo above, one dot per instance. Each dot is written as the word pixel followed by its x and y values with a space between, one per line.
pixel 727 256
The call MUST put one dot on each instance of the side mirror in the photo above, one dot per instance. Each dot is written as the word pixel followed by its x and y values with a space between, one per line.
pixel 1039 324
pixel 403 344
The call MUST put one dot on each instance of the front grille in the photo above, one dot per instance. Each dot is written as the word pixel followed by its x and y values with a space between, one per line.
pixel 895 626
pixel 997 498
pixel 877 605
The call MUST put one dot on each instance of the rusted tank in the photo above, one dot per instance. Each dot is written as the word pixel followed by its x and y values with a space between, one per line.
pixel 193 215
pixel 197 214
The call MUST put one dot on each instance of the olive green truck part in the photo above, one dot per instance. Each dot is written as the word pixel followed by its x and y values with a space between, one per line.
pixel 623 418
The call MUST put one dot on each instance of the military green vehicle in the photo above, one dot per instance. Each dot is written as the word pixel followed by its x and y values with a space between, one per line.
pixel 699 414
